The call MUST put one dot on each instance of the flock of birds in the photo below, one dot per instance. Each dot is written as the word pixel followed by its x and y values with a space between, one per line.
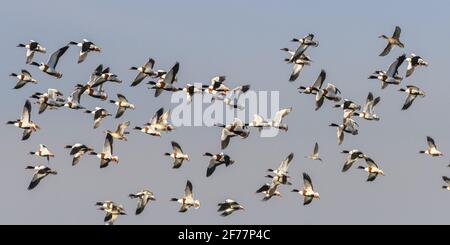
pixel 162 80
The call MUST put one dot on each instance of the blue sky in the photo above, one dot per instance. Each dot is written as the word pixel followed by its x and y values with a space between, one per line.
pixel 240 40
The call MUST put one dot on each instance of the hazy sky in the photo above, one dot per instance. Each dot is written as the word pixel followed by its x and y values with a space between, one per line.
pixel 242 40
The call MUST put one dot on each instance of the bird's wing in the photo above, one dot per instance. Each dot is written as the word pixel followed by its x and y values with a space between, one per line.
pixel 397 32
pixel 138 79
pixel 297 68
pixel 26 112
pixel 319 81
pixel 316 149
pixel 307 182
pixel 285 164
pixel 409 100
pixel 108 145
pixel 430 142
pixel 121 128
pixel 386 50
pixel 370 162
pixel 157 115
pixel 54 58
pixel 171 75
pixel 188 189
pixel 176 147
pixel 393 68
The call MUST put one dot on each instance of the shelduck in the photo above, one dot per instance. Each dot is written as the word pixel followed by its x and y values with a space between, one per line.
pixel 372 168
pixel 86 47
pixel 228 207
pixel 43 152
pixel 144 197
pixel 392 41
pixel 23 78
pixel 217 160
pixel 99 114
pixel 41 172
pixel 120 133
pixel 77 151
pixel 412 92
pixel 106 156
pixel 123 104
pixel 32 47
pixel 145 70
pixel 50 66
pixel 25 122
pixel 432 149
pixel 177 155
pixel 308 190
pixel 187 201
pixel 413 62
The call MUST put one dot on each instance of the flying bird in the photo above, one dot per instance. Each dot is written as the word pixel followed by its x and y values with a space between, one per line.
pixel 43 152
pixel 123 104
pixel 112 211
pixel 412 92
pixel 277 121
pixel 234 128
pixel 86 47
pixel 187 201
pixel 368 112
pixel 228 207
pixel 432 149
pixel 77 151
pixel 165 82
pixel 391 76
pixel 25 122
pixel 299 63
pixel 144 197
pixel 23 78
pixel 316 86
pixel 216 160
pixel 99 115
pixel 106 156
pixel 177 155
pixel 145 70
pixel 32 47
pixel 315 154
pixel 372 168
pixel 413 62
pixel 352 157
pixel 41 172
pixel 50 66
pixel 308 190
pixel 392 41
pixel 120 133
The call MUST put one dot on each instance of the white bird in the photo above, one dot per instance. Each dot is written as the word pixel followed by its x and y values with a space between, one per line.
pixel 305 42
pixel 165 82
pixel 349 108
pixel 308 190
pixel 23 78
pixel 86 47
pixel 40 173
pixel 177 155
pixel 372 168
pixel 144 71
pixel 352 157
pixel 277 121
pixel 52 99
pixel 123 104
pixel 299 63
pixel 315 154
pixel 232 98
pixel 112 211
pixel 144 197
pixel 413 62
pixel 43 152
pixel 25 122
pixel 190 90
pixel 106 156
pixel 368 112
pixel 99 114
pixel 316 86
pixel 216 160
pixel 50 66
pixel 77 151
pixel 412 92
pixel 73 101
pixel 234 128
pixel 32 47
pixel 432 149
pixel 103 77
pixel 281 173
pixel 228 207
pixel 270 190
pixel 391 76
pixel 187 201
pixel 120 133
pixel 259 122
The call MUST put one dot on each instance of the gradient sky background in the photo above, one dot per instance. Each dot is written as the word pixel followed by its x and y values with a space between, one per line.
pixel 239 39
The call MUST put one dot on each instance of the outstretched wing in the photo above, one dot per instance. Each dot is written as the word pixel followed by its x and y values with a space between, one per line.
pixel 54 58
